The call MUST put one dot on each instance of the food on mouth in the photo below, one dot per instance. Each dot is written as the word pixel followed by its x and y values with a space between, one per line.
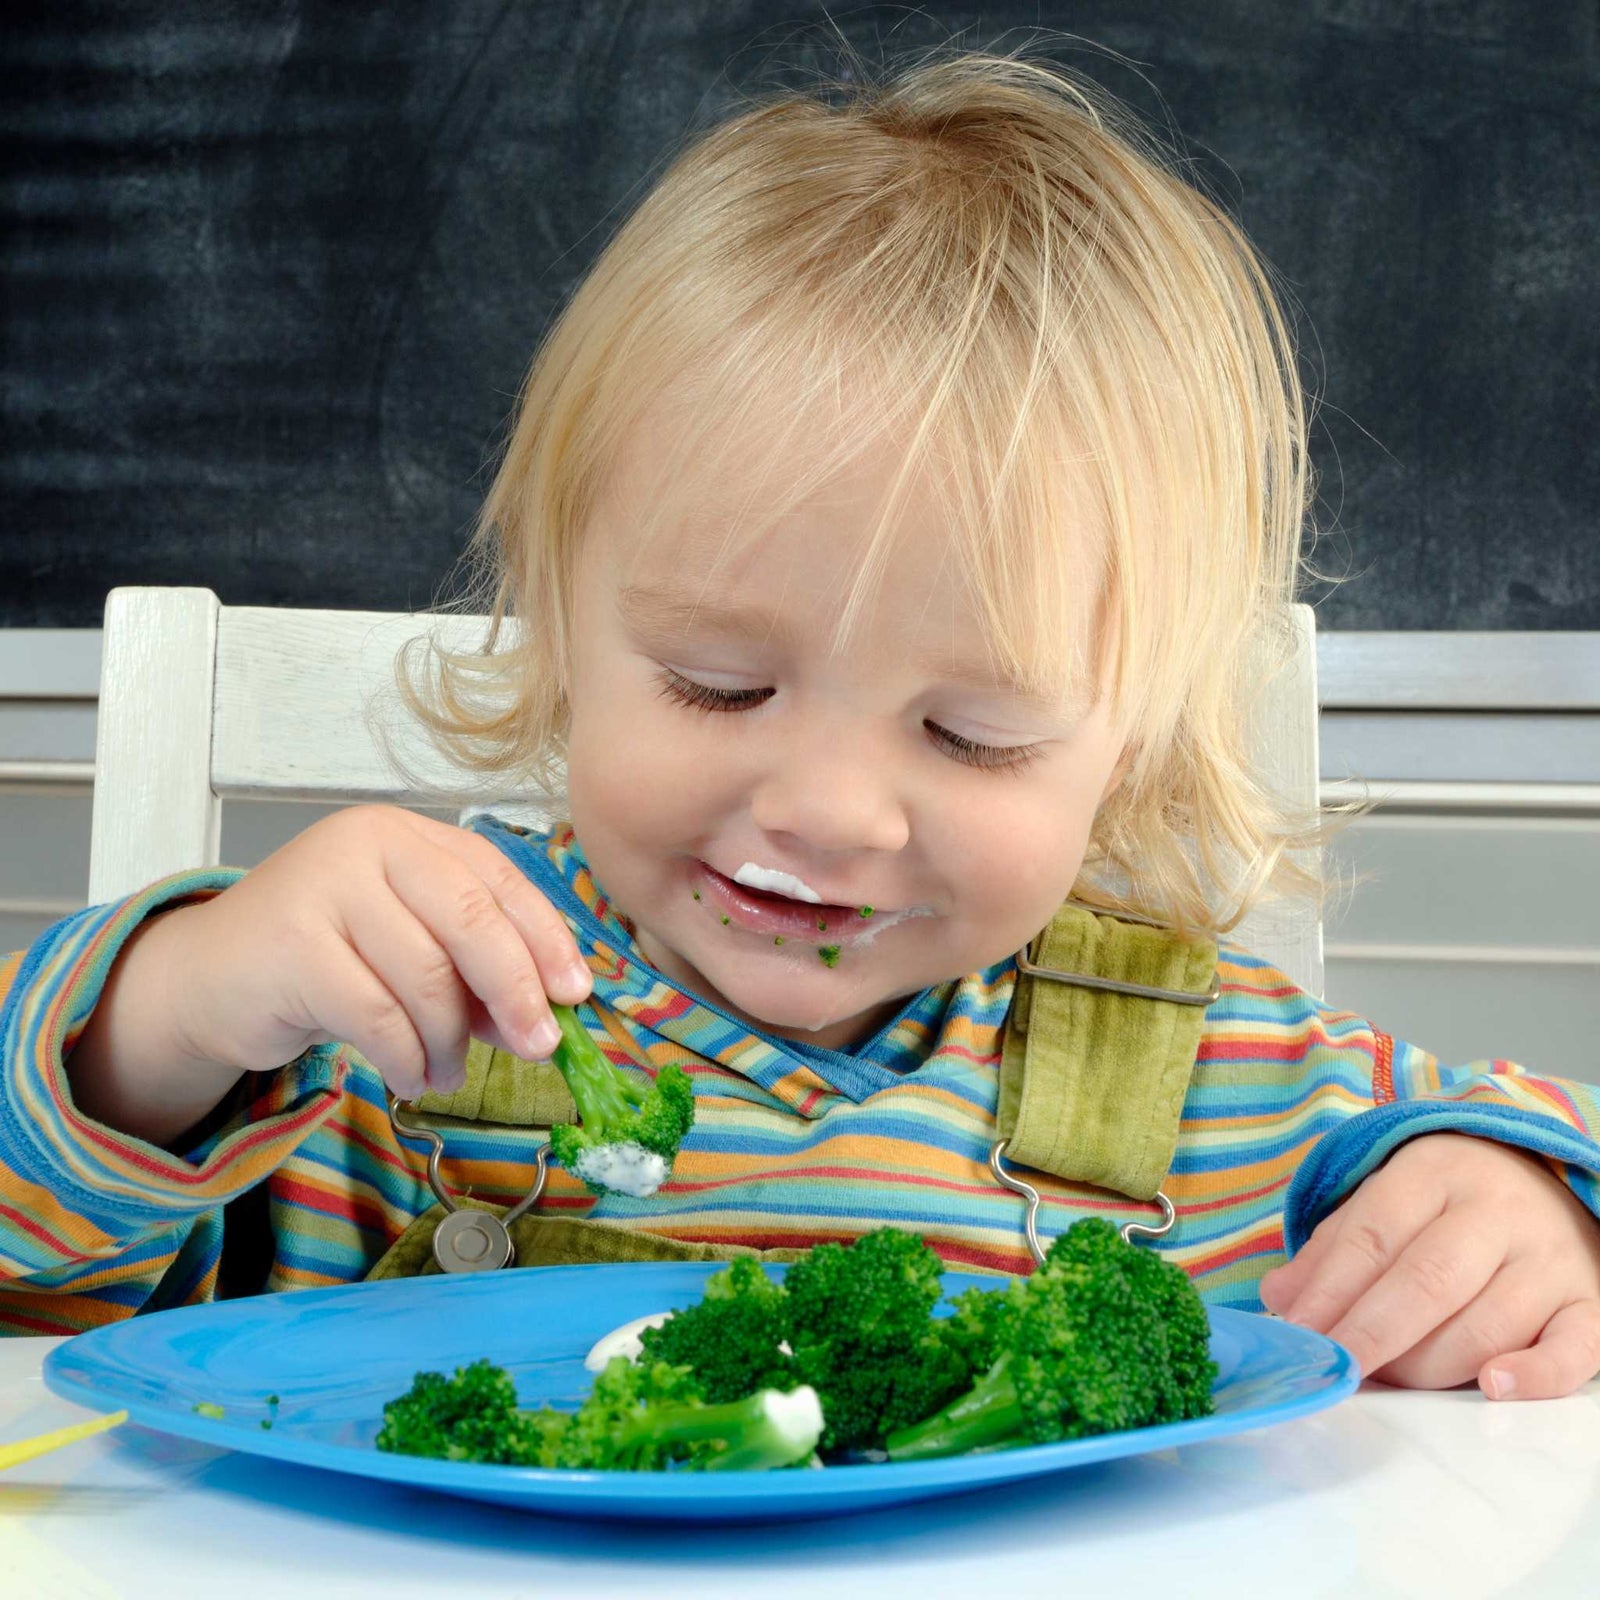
pixel 776 881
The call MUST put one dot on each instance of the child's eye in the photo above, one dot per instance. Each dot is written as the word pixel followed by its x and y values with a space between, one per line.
pixel 991 757
pixel 689 693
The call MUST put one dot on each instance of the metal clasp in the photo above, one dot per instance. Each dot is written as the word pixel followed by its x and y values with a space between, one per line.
pixel 480 1241
pixel 1131 1231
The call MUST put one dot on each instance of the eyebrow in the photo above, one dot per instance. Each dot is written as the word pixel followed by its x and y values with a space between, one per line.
pixel 657 608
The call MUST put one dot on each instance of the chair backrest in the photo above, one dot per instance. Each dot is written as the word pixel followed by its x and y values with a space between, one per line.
pixel 201 703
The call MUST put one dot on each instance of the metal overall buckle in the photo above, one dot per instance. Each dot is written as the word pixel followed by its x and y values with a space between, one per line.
pixel 466 1240
pixel 1130 1231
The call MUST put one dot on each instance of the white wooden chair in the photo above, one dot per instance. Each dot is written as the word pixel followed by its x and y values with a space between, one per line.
pixel 201 703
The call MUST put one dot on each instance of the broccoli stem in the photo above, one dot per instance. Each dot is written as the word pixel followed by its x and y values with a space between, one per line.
pixel 600 1092
pixel 764 1430
pixel 987 1413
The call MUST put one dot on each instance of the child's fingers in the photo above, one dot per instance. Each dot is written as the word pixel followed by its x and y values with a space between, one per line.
pixel 1375 1225
pixel 1442 1269
pixel 563 972
pixel 1281 1287
pixel 416 970
pixel 351 1004
pixel 1506 1315
pixel 462 914
pixel 1566 1355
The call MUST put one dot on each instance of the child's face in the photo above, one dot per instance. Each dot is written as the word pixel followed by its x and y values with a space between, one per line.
pixel 840 775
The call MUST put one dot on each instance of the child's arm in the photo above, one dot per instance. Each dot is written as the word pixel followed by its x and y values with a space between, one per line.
pixel 1450 1232
pixel 94 1224
pixel 1459 1259
pixel 396 934
pixel 260 975
pixel 130 1068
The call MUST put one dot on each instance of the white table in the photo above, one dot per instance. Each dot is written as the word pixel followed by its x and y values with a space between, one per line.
pixel 1390 1494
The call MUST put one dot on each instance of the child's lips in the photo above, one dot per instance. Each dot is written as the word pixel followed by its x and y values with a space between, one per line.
pixel 772 914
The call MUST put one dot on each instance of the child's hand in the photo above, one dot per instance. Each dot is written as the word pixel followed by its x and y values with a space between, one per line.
pixel 384 930
pixel 1459 1258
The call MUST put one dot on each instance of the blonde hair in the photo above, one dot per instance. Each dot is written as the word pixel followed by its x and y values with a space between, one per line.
pixel 1078 335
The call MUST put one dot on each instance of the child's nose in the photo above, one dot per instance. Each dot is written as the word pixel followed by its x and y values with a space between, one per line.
pixel 836 792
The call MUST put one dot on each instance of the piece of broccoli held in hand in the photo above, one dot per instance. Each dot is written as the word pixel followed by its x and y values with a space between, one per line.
pixel 863 1336
pixel 648 1415
pixel 1083 1349
pixel 729 1339
pixel 470 1417
pixel 627 1139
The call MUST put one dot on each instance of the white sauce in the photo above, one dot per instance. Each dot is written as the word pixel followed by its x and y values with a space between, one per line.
pixel 628 1168
pixel 880 922
pixel 775 882
pixel 623 1341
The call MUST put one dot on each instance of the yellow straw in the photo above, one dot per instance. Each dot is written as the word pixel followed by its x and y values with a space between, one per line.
pixel 12 1455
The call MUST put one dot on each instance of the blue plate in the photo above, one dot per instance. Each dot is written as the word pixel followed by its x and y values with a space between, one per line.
pixel 334 1356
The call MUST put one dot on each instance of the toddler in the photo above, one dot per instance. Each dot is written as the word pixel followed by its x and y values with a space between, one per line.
pixel 895 527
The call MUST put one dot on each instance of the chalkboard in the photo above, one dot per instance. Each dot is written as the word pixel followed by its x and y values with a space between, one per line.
pixel 273 271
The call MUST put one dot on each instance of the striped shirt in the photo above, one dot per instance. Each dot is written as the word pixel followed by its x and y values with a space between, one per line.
pixel 1291 1104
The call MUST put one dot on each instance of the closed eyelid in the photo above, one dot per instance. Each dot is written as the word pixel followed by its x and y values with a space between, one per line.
pixel 705 699
pixel 1033 730
pixel 662 614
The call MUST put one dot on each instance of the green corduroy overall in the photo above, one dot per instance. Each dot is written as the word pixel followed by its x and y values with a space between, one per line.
pixel 1092 1085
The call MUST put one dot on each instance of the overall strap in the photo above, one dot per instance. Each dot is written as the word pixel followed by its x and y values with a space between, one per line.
pixel 1099 1047
pixel 503 1088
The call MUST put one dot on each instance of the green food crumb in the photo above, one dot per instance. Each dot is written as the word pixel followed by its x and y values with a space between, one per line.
pixel 725 919
pixel 272 1400
pixel 822 923
pixel 696 894
pixel 777 938
pixel 829 954
pixel 209 1408
pixel 864 911
pixel 266 1422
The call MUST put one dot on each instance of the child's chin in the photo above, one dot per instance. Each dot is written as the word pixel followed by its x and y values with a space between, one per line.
pixel 789 998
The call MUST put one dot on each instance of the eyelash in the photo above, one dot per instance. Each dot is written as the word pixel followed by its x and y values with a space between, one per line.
pixel 701 697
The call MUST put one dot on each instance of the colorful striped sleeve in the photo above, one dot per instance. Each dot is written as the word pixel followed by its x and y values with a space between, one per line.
pixel 94 1224
pixel 1414 1094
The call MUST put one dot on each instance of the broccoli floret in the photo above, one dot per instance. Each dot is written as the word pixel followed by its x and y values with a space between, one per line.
pixel 636 1418
pixel 1189 1370
pixel 1092 1343
pixel 470 1417
pixel 972 1331
pixel 730 1338
pixel 858 1318
pixel 627 1138
pixel 650 1415
pixel 863 1336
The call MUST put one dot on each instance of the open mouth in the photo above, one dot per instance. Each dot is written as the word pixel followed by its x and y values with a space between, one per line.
pixel 762 911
